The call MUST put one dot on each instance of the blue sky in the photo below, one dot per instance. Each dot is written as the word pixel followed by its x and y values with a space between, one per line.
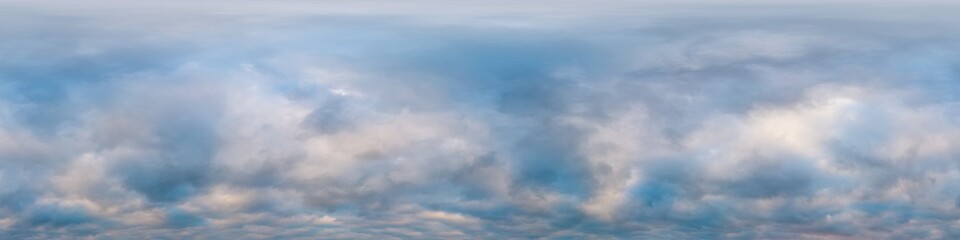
pixel 479 120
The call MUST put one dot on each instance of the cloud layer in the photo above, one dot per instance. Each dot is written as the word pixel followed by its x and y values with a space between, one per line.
pixel 370 121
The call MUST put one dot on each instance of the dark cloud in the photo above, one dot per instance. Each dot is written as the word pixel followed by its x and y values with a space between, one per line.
pixel 179 219
pixel 57 216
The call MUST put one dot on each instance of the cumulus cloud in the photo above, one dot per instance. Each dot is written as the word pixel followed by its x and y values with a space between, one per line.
pixel 304 120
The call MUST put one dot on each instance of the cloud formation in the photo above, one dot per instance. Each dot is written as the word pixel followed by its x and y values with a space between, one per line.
pixel 300 120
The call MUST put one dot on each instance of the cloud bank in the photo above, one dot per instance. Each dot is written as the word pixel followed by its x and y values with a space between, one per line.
pixel 306 120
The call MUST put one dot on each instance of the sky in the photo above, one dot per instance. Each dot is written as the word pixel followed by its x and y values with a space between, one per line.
pixel 528 119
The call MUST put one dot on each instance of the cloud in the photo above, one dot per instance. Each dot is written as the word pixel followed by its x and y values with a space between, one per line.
pixel 373 122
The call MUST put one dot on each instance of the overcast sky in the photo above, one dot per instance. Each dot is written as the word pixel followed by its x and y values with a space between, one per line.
pixel 479 120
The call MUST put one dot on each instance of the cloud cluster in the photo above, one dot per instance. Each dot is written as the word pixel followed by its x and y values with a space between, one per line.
pixel 752 123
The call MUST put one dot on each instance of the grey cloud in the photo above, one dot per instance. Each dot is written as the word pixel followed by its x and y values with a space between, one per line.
pixel 786 178
pixel 291 124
